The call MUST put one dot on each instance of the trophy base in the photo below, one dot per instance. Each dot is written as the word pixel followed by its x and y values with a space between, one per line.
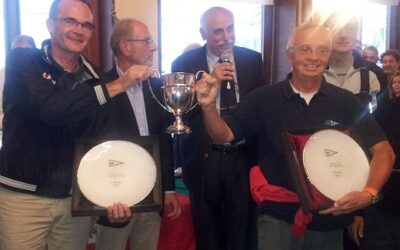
pixel 182 129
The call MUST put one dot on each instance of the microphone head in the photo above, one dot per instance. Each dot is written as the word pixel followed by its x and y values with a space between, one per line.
pixel 226 56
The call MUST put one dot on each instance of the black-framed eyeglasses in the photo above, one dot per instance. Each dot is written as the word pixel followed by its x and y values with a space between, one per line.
pixel 147 41
pixel 72 22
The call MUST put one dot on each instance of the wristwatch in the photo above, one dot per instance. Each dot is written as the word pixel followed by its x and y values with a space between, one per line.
pixel 374 193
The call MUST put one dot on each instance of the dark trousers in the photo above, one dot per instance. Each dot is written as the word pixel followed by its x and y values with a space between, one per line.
pixel 381 231
pixel 223 212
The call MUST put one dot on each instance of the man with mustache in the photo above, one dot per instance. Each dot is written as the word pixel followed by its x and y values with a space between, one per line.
pixel 217 174
pixel 51 96
pixel 390 62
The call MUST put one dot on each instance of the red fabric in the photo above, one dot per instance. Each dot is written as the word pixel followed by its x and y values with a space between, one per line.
pixel 261 190
pixel 316 197
pixel 178 234
pixel 91 246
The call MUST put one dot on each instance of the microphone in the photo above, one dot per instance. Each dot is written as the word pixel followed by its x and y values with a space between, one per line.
pixel 225 58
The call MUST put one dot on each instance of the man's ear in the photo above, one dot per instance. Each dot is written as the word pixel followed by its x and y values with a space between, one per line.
pixel 50 25
pixel 123 48
pixel 289 57
pixel 203 34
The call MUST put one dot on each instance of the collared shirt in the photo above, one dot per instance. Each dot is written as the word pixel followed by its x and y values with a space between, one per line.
pixel 212 60
pixel 136 98
pixel 272 109
pixel 306 96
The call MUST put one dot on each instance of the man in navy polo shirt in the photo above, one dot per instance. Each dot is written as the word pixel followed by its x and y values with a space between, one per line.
pixel 304 100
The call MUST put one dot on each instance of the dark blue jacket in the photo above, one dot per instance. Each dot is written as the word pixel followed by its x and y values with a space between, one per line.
pixel 45 110
pixel 197 145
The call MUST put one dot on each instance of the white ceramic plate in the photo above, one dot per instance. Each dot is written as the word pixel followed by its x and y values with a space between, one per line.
pixel 334 163
pixel 116 171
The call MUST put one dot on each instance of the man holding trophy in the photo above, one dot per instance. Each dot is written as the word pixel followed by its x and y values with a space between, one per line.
pixel 217 174
pixel 304 100
pixel 136 113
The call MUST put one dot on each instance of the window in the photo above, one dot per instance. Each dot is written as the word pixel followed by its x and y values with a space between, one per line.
pixel 180 23
pixel 373 17
pixel 374 26
pixel 33 18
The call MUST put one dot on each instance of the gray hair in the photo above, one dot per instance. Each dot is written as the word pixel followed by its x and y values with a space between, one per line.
pixel 302 27
pixel 23 41
pixel 207 13
pixel 121 30
pixel 373 48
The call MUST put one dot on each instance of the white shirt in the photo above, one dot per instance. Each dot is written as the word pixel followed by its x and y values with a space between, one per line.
pixel 212 60
pixel 136 98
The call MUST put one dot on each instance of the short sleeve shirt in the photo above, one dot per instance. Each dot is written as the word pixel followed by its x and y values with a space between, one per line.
pixel 270 110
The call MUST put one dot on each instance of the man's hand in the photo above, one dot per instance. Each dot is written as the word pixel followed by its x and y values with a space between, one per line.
pixel 349 203
pixel 356 229
pixel 132 76
pixel 207 90
pixel 136 74
pixel 119 213
pixel 223 71
pixel 172 206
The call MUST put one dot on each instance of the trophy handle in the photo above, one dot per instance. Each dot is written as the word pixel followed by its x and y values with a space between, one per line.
pixel 152 93
pixel 200 72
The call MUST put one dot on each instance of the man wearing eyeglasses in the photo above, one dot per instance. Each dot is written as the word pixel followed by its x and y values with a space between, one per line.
pixel 137 113
pixel 303 101
pixel 49 101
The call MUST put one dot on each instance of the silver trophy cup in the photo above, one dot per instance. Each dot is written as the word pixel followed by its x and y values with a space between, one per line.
pixel 179 98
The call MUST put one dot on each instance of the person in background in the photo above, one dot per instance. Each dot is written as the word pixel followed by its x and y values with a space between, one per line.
pixel 390 62
pixel 358 46
pixel 217 174
pixel 51 96
pixel 304 100
pixel 191 46
pixel 346 68
pixel 21 41
pixel 136 113
pixel 379 227
pixel 370 54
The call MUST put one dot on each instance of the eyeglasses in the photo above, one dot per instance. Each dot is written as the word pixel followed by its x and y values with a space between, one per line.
pixel 147 41
pixel 72 22
pixel 307 50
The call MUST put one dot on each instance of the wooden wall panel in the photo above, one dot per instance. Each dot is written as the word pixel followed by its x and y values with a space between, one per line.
pixel 285 22
pixel 394 27
pixel 98 51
